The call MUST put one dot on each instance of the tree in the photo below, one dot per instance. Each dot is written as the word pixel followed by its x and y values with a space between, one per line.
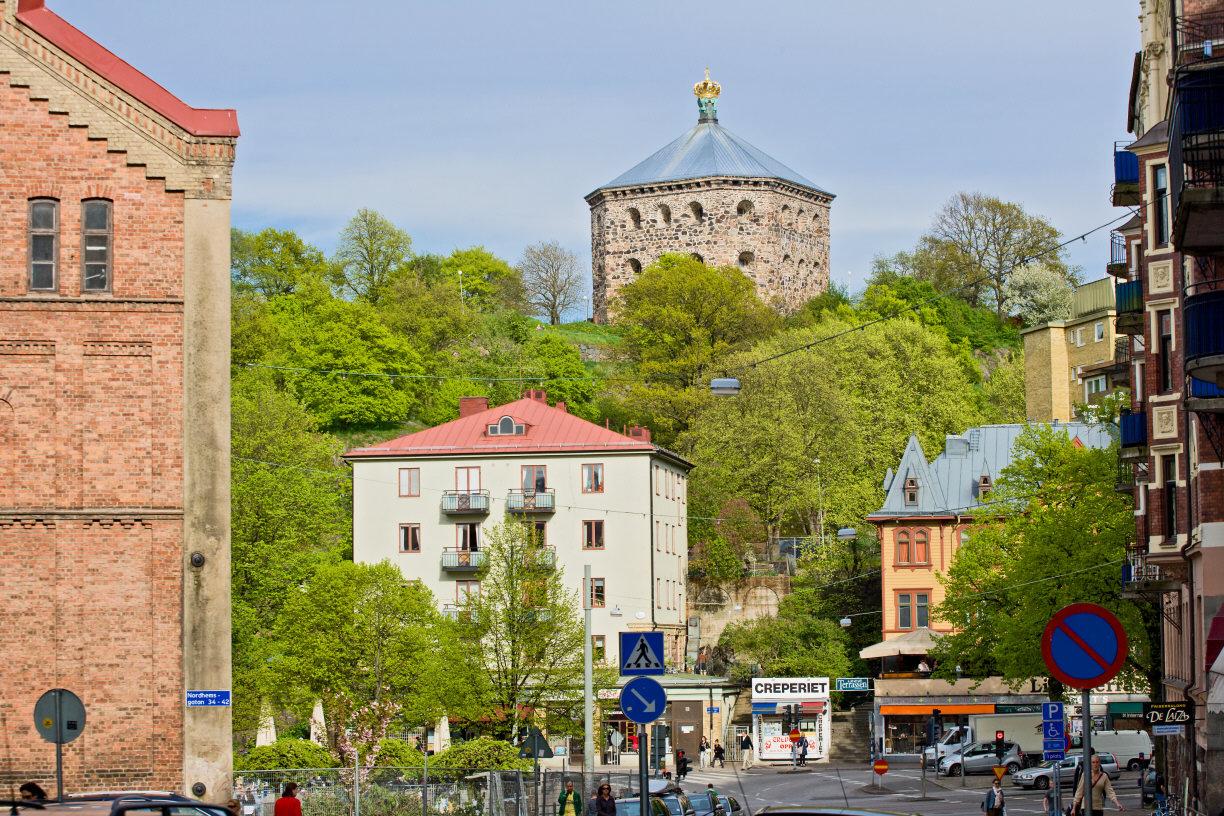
pixel 1003 389
pixel 372 251
pixel 285 753
pixel 529 641
pixel 1038 294
pixel 552 278
pixel 1054 533
pixel 275 262
pixel 485 280
pixel 789 645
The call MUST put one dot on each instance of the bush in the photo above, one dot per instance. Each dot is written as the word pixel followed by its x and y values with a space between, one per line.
pixel 285 753
pixel 482 753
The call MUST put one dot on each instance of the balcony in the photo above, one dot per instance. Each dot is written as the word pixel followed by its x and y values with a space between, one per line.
pixel 1117 265
pixel 1205 334
pixel 1196 162
pixel 465 502
pixel 1125 191
pixel 1199 38
pixel 458 560
pixel 1128 300
pixel 531 501
pixel 1141 579
pixel 456 612
pixel 1205 398
pixel 545 557
pixel 1134 436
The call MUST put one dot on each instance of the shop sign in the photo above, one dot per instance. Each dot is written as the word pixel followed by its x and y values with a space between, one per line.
pixel 790 688
pixel 852 684
pixel 1166 713
pixel 1018 708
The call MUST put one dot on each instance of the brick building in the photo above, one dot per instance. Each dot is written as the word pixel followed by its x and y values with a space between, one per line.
pixel 712 195
pixel 114 412
pixel 1172 305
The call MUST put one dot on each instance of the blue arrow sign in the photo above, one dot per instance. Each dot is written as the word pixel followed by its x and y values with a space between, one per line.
pixel 643 700
pixel 1054 730
pixel 1052 712
pixel 641 653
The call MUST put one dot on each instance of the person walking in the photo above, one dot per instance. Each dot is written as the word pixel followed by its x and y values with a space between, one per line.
pixel 682 765
pixel 569 803
pixel 714 795
pixel 32 792
pixel 993 802
pixel 288 804
pixel 603 804
pixel 703 752
pixel 803 749
pixel 745 751
pixel 1098 782
pixel 720 755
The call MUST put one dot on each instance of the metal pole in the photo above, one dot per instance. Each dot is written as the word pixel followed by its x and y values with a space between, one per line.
pixel 59 745
pixel 643 771
pixel 1086 759
pixel 923 775
pixel 535 749
pixel 356 780
pixel 425 777
pixel 588 693
pixel 964 747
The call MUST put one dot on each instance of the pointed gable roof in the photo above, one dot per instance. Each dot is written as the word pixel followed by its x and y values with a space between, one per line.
pixel 546 430
pixel 914 465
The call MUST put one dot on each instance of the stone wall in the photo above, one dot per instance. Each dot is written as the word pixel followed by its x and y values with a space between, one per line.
pixel 717 605
pixel 776 232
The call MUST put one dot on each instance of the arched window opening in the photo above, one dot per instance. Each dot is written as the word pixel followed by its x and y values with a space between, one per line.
pixel 636 217
pixel 506 426
pixel 786 259
pixel 799 215
pixel 744 207
pixel 635 266
pixel 903 546
pixel 697 257
pixel 922 547
pixel 697 210
pixel 665 213
pixel 746 259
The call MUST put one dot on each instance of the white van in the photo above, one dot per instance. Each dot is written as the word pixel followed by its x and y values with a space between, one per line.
pixel 1125 745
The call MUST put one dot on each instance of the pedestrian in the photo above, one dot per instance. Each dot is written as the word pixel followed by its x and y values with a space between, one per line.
pixel 713 794
pixel 603 804
pixel 1079 771
pixel 288 804
pixel 794 754
pixel 746 750
pixel 993 802
pixel 803 749
pixel 569 803
pixel 703 752
pixel 1049 804
pixel 720 755
pixel 682 765
pixel 1098 782
pixel 32 792
pixel 1143 766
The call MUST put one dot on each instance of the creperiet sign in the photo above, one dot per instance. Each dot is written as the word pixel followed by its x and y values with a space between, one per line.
pixel 790 688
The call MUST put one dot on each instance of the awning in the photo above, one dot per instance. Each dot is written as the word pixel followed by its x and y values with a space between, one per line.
pixel 1124 708
pixel 813 707
pixel 918 642
pixel 982 708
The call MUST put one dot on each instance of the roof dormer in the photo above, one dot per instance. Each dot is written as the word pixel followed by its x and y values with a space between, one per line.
pixel 506 426
pixel 911 491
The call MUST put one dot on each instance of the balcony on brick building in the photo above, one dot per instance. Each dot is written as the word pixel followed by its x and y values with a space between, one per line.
pixel 1117 265
pixel 1133 426
pixel 1196 135
pixel 465 502
pixel 456 559
pixel 1204 316
pixel 1205 398
pixel 1141 579
pixel 1125 191
pixel 1128 299
pixel 531 501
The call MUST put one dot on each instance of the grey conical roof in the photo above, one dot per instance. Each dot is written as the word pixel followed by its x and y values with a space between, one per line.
pixel 709 149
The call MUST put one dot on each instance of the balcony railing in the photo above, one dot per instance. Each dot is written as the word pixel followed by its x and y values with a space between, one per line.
pixel 1139 577
pixel 1117 265
pixel 1125 191
pixel 1196 162
pixel 461 502
pixel 459 560
pixel 1133 426
pixel 1205 397
pixel 1205 335
pixel 531 501
pixel 1199 38
pixel 1128 299
pixel 545 557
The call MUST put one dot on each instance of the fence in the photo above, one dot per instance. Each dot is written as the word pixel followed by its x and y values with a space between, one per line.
pixel 410 792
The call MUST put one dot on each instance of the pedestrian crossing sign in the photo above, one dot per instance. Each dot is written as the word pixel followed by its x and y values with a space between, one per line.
pixel 641 653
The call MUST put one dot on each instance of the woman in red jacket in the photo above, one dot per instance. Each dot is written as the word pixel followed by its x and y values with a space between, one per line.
pixel 288 804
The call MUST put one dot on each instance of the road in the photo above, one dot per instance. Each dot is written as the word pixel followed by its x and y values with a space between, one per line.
pixel 843 787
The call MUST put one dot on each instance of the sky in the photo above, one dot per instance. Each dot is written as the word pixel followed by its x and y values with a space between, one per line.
pixel 486 123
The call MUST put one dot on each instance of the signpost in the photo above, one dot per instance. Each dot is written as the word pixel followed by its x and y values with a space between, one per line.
pixel 59 717
pixel 1084 646
pixel 642 700
pixel 1167 719
pixel 999 771
pixel 641 654
pixel 880 767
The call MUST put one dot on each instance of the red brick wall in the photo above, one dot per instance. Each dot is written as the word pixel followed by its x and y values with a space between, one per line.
pixel 90 448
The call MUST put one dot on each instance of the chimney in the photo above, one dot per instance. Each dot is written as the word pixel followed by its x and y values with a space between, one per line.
pixel 561 407
pixel 639 433
pixel 472 405
pixel 537 394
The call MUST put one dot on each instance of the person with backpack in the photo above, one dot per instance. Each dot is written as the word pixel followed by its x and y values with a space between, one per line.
pixel 803 749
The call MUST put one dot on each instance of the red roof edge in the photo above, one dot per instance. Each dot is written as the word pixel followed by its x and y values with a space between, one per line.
pixel 197 121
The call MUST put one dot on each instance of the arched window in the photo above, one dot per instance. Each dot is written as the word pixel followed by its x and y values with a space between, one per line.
pixel 744 208
pixel 697 210
pixel 922 547
pixel 665 213
pixel 636 217
pixel 903 546
pixel 746 259
pixel 635 266
pixel 801 266
pixel 505 426
pixel 785 216
pixel 96 244
pixel 799 215
pixel 786 259
pixel 43 244
pixel 697 257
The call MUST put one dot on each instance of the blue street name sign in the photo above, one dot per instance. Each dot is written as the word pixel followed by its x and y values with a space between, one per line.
pixel 1054 730
pixel 1053 755
pixel 1052 712
pixel 852 684
pixel 1168 730
pixel 643 700
pixel 711 709
pixel 641 653
pixel 220 697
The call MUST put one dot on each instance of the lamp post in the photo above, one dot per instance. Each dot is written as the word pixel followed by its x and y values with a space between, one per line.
pixel 725 386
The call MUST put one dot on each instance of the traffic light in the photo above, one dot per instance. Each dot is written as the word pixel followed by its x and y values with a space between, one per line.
pixel 934 727
pixel 1000 749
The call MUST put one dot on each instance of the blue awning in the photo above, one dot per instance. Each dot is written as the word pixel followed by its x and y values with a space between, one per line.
pixel 765 708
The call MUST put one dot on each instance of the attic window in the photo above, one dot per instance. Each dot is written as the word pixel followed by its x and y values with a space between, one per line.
pixel 506 426
pixel 984 484
pixel 911 491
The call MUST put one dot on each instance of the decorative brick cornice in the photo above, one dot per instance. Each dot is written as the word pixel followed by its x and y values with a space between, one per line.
pixel 35 348
pixel 116 348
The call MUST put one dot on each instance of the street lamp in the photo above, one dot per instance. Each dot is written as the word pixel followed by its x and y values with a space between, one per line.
pixel 725 386
pixel 845 622
pixel 847 534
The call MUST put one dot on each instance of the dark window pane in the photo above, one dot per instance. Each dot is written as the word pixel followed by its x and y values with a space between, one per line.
pixel 42 215
pixel 42 276
pixel 97 215
pixel 95 277
pixel 42 247
pixel 923 617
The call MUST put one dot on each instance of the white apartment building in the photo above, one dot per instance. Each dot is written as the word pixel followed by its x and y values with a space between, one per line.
pixel 615 501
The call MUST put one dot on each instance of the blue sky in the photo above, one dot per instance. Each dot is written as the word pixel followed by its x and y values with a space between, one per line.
pixel 486 122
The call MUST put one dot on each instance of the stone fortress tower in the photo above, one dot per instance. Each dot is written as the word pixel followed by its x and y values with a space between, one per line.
pixel 712 195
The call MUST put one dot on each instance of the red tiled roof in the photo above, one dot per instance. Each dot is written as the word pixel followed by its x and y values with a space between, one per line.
pixel 197 121
pixel 548 430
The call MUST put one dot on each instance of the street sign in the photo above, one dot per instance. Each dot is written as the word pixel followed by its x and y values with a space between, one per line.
pixel 218 697
pixel 1168 730
pixel 1053 745
pixel 616 739
pixel 1054 730
pixel 641 653
pixel 880 766
pixel 1051 712
pixel 535 746
pixel 795 735
pixel 711 709
pixel 999 771
pixel 1057 756
pixel 1166 713
pixel 852 684
pixel 59 716
pixel 1084 645
pixel 643 700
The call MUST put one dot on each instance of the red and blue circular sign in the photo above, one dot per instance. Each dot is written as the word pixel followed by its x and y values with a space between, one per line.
pixel 1084 645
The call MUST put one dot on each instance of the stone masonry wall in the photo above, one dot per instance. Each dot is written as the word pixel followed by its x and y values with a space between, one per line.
pixel 776 232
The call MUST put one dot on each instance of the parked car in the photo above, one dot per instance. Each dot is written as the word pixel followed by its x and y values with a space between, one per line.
pixel 1125 745
pixel 1042 776
pixel 678 804
pixel 633 807
pixel 732 806
pixel 136 803
pixel 980 758
pixel 707 805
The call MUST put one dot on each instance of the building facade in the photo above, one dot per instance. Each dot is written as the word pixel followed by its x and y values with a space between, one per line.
pixel 615 501
pixel 114 412
pixel 1172 305
pixel 712 195
pixel 1079 360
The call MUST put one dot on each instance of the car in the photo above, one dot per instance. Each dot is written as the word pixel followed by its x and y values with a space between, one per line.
pixel 678 804
pixel 133 803
pixel 732 806
pixel 815 810
pixel 1042 776
pixel 632 806
pixel 707 805
pixel 981 757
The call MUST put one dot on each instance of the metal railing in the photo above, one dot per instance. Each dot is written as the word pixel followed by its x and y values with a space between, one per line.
pixel 1133 429
pixel 1199 37
pixel 454 558
pixel 1117 255
pixel 1128 297
pixel 531 501
pixel 465 501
